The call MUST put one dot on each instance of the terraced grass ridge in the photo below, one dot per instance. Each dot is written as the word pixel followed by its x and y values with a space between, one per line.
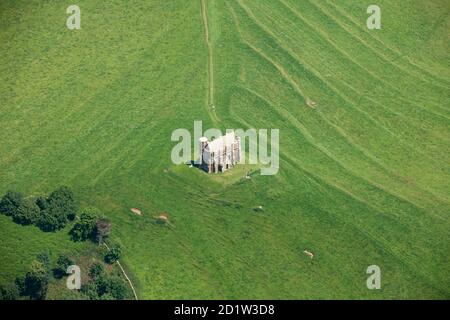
pixel 364 176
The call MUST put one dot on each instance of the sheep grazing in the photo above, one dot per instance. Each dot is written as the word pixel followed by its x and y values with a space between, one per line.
pixel 309 253
pixel 258 209
pixel 136 211
pixel 163 218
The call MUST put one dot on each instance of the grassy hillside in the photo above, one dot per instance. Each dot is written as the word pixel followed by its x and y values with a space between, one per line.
pixel 363 177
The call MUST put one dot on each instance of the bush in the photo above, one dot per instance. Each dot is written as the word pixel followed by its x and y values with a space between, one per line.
pixel 90 290
pixel 64 200
pixel 84 229
pixel 9 292
pixel 48 221
pixel 117 288
pixel 62 263
pixel 10 202
pixel 42 202
pixel 27 213
pixel 20 285
pixel 49 214
pixel 35 283
pixel 96 270
pixel 57 209
pixel 113 255
pixel 102 284
pixel 110 286
pixel 44 259
pixel 106 296
pixel 58 213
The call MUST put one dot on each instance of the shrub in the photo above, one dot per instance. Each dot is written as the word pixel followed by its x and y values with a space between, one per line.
pixel 9 292
pixel 90 290
pixel 49 214
pixel 20 285
pixel 110 286
pixel 42 202
pixel 106 296
pixel 10 202
pixel 103 286
pixel 113 255
pixel 62 263
pixel 117 288
pixel 36 281
pixel 59 208
pixel 84 229
pixel 44 259
pixel 48 221
pixel 96 270
pixel 64 200
pixel 27 213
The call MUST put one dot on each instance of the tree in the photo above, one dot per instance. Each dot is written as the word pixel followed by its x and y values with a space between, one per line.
pixel 48 222
pixel 44 258
pixel 62 263
pixel 90 290
pixel 96 270
pixel 10 202
pixel 117 288
pixel 9 292
pixel 84 229
pixel 42 202
pixel 20 285
pixel 36 281
pixel 103 286
pixel 58 209
pixel 113 255
pixel 102 229
pixel 64 200
pixel 27 213
pixel 106 296
pixel 110 286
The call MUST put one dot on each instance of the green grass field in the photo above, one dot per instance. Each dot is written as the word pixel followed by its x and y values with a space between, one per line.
pixel 364 177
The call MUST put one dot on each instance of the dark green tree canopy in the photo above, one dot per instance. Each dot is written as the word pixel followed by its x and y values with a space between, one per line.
pixel 62 263
pixel 104 286
pixel 41 202
pixel 84 228
pixel 64 200
pixel 49 214
pixel 113 255
pixel 35 283
pixel 117 288
pixel 57 209
pixel 9 292
pixel 10 202
pixel 49 222
pixel 96 270
pixel 27 213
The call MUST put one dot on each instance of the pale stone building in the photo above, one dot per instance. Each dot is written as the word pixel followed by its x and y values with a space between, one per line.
pixel 220 154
